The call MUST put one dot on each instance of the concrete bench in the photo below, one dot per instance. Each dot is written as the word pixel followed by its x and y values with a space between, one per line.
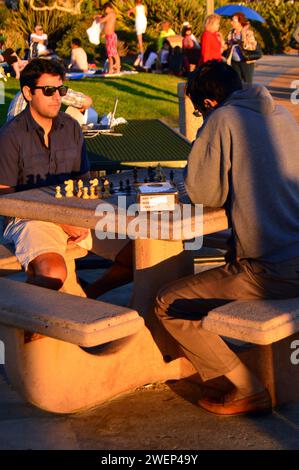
pixel 270 325
pixel 63 316
pixel 54 372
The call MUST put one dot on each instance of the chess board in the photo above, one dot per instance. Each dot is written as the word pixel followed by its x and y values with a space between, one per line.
pixel 126 183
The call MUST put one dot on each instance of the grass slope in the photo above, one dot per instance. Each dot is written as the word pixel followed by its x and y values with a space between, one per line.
pixel 141 96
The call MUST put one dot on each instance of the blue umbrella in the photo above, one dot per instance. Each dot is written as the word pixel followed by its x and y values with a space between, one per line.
pixel 230 10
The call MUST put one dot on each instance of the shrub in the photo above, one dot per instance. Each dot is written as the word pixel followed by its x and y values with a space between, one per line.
pixel 174 11
pixel 281 18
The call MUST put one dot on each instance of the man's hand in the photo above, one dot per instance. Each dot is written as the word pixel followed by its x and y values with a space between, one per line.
pixel 76 234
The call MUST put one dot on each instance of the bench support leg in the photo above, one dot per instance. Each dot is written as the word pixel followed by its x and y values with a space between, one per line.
pixel 272 364
pixel 71 284
pixel 61 377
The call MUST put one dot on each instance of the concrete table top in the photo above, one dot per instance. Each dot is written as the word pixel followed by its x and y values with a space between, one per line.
pixel 41 204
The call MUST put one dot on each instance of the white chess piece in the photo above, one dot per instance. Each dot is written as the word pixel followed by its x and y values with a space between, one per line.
pixel 69 188
pixel 80 188
pixel 85 193
pixel 58 194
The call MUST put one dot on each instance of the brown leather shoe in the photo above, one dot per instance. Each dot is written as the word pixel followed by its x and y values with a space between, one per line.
pixel 259 402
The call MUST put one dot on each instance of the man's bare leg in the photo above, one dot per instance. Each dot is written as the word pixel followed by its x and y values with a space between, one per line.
pixel 140 43
pixel 47 270
pixel 111 64
pixel 119 274
pixel 117 63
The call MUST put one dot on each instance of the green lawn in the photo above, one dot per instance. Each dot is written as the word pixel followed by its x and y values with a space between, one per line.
pixel 141 96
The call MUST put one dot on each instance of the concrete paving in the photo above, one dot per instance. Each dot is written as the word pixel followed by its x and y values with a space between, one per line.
pixel 157 416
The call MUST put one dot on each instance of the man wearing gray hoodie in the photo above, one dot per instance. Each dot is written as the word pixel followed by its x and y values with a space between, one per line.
pixel 245 158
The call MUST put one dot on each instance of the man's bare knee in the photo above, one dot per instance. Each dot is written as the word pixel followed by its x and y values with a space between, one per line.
pixel 48 270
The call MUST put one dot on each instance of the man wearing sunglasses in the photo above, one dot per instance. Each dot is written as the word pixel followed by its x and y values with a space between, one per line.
pixel 71 98
pixel 42 146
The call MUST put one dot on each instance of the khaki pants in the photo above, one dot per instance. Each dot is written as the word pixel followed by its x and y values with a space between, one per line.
pixel 181 305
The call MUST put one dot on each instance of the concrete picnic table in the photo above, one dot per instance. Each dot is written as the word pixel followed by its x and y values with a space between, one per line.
pixel 156 261
pixel 57 375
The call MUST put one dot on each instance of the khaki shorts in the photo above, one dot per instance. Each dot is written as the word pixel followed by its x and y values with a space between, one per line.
pixel 32 238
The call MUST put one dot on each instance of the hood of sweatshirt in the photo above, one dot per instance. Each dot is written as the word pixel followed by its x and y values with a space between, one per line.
pixel 255 97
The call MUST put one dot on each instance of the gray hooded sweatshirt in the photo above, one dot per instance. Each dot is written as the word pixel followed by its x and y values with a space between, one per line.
pixel 246 158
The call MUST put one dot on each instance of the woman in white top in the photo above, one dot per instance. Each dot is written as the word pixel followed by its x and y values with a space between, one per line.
pixel 140 21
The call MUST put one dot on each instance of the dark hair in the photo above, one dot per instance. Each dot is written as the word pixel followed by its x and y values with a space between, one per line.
pixel 241 18
pixel 76 42
pixel 185 29
pixel 107 5
pixel 165 41
pixel 214 80
pixel 37 67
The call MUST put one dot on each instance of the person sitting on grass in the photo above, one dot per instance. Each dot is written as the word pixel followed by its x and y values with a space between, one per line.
pixel 79 62
pixel 12 59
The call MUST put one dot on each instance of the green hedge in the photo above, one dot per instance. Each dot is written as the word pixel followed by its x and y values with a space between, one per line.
pixel 281 17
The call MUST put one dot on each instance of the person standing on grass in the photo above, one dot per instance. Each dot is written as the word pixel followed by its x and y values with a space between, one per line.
pixel 140 22
pixel 109 21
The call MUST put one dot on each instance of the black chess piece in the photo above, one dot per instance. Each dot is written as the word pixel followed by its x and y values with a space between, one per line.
pixel 135 174
pixel 151 174
pixel 128 186
pixel 146 180
pixel 121 185
pixel 171 176
pixel 111 187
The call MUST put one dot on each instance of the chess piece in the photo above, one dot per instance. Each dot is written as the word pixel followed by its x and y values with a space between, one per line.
pixel 111 187
pixel 93 188
pixel 106 193
pixel 146 180
pixel 58 194
pixel 121 186
pixel 135 175
pixel 93 195
pixel 69 188
pixel 85 193
pixel 151 174
pixel 128 186
pixel 80 188
pixel 158 176
pixel 171 176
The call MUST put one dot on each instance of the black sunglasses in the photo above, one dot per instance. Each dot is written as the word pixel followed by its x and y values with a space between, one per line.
pixel 51 90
